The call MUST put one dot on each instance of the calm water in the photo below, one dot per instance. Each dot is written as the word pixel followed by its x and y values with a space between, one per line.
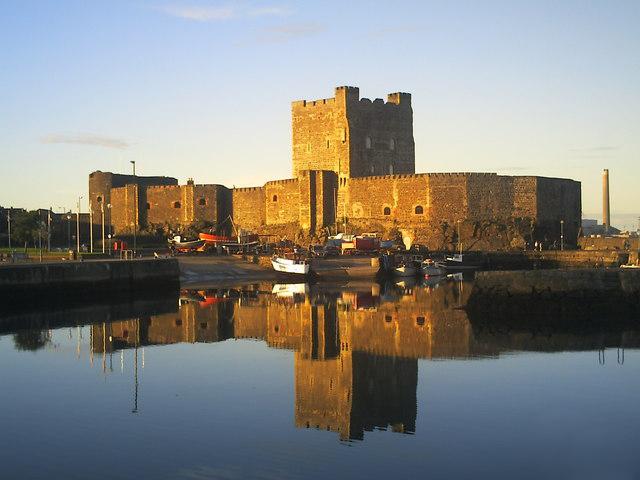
pixel 361 381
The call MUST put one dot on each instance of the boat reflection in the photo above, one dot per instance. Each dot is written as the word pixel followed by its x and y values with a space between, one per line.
pixel 356 346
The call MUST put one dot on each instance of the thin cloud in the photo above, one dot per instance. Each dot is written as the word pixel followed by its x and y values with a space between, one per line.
pixel 600 151
pixel 270 11
pixel 387 31
pixel 514 168
pixel 87 139
pixel 288 32
pixel 199 13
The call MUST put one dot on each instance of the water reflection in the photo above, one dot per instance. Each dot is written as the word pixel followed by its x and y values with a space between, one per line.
pixel 356 346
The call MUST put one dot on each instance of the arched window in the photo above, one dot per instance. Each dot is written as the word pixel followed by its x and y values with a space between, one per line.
pixel 392 144
pixel 99 199
pixel 388 318
pixel 176 205
pixel 275 198
pixel 373 169
pixel 202 202
pixel 420 321
pixel 148 206
pixel 367 143
pixel 387 211
pixel 391 169
pixel 419 210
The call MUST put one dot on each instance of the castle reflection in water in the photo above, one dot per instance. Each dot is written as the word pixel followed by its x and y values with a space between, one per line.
pixel 356 349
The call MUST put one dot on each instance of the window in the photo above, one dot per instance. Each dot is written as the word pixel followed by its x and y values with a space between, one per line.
pixel 388 318
pixel 176 205
pixel 148 206
pixel 367 143
pixel 99 199
pixel 328 143
pixel 275 198
pixel 373 169
pixel 202 202
pixel 178 322
pixel 391 169
pixel 386 211
pixel 392 144
pixel 420 321
pixel 419 210
pixel 204 325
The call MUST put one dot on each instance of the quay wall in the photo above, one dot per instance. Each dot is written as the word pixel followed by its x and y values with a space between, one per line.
pixel 101 278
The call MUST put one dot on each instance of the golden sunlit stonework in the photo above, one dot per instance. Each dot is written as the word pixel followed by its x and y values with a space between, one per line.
pixel 353 163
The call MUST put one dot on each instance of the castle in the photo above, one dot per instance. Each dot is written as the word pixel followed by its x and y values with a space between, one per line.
pixel 354 170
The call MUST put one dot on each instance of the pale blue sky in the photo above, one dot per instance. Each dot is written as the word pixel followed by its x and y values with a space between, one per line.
pixel 203 88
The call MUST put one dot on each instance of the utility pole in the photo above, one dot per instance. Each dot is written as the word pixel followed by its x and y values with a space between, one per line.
pixel 78 227
pixel 49 229
pixel 9 226
pixel 102 215
pixel 135 219
pixel 69 230
pixel 90 227
pixel 561 234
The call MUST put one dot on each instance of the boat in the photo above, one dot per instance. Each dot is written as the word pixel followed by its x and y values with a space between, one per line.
pixel 290 265
pixel 458 262
pixel 404 270
pixel 429 268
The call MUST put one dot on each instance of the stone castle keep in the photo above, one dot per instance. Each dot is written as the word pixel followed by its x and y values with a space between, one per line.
pixel 354 169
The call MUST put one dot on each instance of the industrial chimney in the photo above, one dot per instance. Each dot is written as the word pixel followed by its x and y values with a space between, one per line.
pixel 606 212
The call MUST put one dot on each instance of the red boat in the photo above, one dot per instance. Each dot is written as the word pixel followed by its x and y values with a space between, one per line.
pixel 211 238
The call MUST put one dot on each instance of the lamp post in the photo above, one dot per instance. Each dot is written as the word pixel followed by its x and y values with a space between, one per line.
pixel 135 219
pixel 102 215
pixel 9 226
pixel 561 234
pixel 90 227
pixel 69 231
pixel 49 229
pixel 110 239
pixel 78 227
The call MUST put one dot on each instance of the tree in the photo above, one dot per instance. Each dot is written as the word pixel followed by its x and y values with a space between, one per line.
pixel 25 226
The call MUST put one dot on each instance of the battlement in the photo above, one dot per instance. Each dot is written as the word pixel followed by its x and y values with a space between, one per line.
pixel 247 189
pixel 462 174
pixel 286 181
pixel 389 177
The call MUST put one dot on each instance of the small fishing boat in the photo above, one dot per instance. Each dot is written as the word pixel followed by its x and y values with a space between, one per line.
pixel 290 265
pixel 430 269
pixel 405 270
pixel 458 262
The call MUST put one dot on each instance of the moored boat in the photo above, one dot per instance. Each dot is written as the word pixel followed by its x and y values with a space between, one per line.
pixel 429 268
pixel 290 265
pixel 458 262
pixel 404 270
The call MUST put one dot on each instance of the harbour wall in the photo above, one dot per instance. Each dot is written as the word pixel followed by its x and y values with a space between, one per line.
pixel 101 278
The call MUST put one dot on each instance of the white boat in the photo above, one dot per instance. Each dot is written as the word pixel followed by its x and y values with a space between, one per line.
pixel 457 262
pixel 404 271
pixel 288 265
pixel 430 269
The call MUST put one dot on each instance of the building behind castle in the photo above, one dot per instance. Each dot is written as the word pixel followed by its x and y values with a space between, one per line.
pixel 354 169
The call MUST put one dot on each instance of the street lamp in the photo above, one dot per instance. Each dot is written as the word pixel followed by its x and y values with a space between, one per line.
pixel 90 227
pixel 135 219
pixel 561 234
pixel 69 231
pixel 110 239
pixel 9 226
pixel 102 215
pixel 78 227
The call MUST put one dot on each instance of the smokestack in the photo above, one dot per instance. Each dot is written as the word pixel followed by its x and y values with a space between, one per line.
pixel 606 212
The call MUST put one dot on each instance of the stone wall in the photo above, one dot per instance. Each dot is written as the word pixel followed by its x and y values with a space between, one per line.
pixel 248 207
pixel 282 202
pixel 101 183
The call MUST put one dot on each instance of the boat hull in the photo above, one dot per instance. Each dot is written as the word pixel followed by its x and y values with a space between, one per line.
pixel 290 266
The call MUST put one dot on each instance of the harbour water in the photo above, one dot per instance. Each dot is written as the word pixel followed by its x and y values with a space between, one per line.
pixel 359 380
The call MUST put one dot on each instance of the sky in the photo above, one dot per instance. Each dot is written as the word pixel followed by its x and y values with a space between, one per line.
pixel 202 89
